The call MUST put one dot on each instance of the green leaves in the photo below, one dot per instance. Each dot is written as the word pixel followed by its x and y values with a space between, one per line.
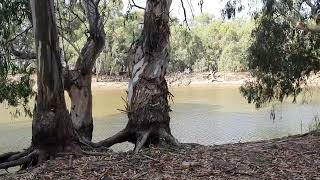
pixel 15 76
pixel 12 14
pixel 281 58
pixel 210 45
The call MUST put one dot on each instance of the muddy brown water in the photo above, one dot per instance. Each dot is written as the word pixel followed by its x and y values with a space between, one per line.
pixel 205 115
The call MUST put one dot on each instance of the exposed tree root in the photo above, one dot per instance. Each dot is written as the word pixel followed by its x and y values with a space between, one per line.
pixel 37 155
pixel 23 161
pixel 139 138
pixel 11 156
pixel 141 141
pixel 19 155
pixel 5 156
pixel 34 156
pixel 120 137
pixel 168 138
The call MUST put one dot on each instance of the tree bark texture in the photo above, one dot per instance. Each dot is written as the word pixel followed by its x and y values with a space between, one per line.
pixel 52 126
pixel 148 94
pixel 78 84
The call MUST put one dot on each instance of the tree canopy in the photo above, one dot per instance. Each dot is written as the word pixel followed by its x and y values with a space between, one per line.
pixel 283 54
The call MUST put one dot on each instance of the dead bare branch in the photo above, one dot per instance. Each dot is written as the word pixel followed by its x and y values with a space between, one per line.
pixel 185 14
pixel 135 5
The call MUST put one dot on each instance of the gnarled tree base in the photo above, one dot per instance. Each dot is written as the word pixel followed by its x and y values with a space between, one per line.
pixel 149 120
pixel 141 139
pixel 146 126
pixel 34 156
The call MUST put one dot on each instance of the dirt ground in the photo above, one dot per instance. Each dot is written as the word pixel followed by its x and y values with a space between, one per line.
pixel 295 157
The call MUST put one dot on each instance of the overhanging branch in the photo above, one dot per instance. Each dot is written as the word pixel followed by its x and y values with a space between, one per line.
pixel 20 34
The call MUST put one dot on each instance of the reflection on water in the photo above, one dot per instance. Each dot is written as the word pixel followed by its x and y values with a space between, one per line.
pixel 214 115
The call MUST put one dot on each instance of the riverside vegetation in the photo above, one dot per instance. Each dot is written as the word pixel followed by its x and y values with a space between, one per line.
pixel 73 40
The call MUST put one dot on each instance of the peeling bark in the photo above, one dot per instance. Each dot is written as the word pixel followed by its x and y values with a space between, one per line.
pixel 51 123
pixel 52 129
pixel 78 83
pixel 148 94
pixel 81 105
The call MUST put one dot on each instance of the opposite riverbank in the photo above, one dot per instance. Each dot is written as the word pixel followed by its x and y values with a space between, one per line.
pixel 176 80
pixel 294 157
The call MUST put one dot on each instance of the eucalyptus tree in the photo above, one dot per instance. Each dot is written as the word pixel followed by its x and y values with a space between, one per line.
pixel 285 50
pixel 14 90
pixel 78 79
pixel 84 16
pixel 148 95
pixel 52 128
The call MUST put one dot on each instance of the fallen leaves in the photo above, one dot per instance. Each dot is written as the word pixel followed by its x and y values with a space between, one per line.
pixel 295 157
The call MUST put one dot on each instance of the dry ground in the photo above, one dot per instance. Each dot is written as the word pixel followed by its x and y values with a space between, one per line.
pixel 295 157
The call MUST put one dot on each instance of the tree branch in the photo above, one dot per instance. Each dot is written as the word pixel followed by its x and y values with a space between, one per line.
pixel 298 23
pixel 185 15
pixel 312 6
pixel 20 34
pixel 71 43
pixel 80 19
pixel 135 5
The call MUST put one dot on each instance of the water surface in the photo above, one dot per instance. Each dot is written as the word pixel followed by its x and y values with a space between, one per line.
pixel 210 115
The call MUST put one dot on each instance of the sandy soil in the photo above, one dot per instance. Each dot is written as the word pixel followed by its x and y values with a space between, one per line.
pixel 179 80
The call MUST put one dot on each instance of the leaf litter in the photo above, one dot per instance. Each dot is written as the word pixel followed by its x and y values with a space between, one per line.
pixel 294 157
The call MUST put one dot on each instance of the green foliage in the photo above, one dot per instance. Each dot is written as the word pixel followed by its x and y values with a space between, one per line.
pixel 184 49
pixel 210 45
pixel 281 58
pixel 122 31
pixel 15 78
pixel 12 15
pixel 233 58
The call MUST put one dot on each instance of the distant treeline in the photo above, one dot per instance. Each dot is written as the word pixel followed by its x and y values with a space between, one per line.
pixel 208 44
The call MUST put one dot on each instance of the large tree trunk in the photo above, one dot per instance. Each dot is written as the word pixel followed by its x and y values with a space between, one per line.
pixel 78 84
pixel 77 81
pixel 148 95
pixel 52 129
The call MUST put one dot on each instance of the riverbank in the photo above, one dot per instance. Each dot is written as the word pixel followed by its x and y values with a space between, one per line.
pixel 295 157
pixel 179 80
pixel 205 79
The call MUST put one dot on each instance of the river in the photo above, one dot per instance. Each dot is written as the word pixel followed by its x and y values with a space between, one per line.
pixel 205 115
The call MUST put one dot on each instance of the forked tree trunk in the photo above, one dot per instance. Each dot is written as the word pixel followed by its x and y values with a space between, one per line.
pixel 52 129
pixel 148 95
pixel 78 84
pixel 78 81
